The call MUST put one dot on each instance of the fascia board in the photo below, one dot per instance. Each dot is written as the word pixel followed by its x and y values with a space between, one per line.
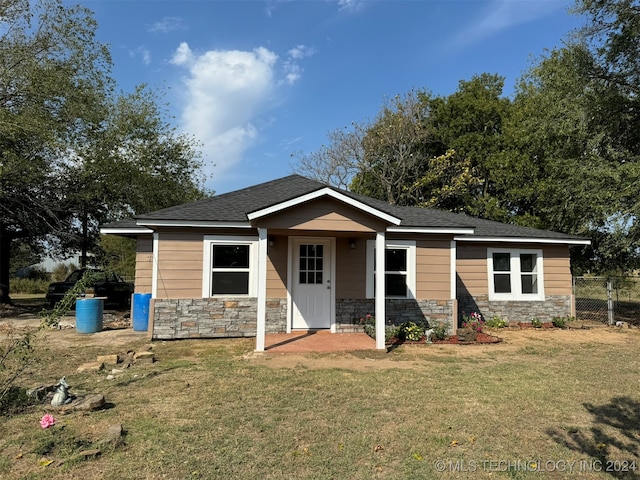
pixel 321 193
pixel 563 241
pixel 194 223
pixel 449 230
pixel 125 231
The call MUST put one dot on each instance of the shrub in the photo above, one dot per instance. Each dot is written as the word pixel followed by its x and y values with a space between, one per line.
pixel 495 322
pixel 535 322
pixel 27 285
pixel 411 331
pixel 474 321
pixel 561 322
pixel 440 332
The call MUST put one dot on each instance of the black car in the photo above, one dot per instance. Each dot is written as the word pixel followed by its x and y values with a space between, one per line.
pixel 108 285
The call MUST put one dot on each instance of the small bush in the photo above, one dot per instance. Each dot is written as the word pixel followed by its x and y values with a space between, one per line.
pixel 535 322
pixel 561 322
pixel 440 332
pixel 495 322
pixel 411 331
pixel 27 285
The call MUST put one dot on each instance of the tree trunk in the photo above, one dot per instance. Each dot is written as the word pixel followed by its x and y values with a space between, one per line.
pixel 85 227
pixel 5 256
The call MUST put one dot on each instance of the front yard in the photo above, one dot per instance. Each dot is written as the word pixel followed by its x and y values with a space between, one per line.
pixel 541 404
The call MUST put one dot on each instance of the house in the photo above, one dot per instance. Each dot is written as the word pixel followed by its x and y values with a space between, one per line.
pixel 295 254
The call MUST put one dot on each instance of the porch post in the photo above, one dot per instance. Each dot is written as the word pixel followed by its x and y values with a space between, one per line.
pixel 262 289
pixel 380 293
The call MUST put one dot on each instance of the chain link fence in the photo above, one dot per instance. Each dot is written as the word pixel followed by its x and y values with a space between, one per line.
pixel 608 299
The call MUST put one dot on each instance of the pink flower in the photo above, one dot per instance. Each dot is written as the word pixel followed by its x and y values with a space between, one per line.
pixel 47 421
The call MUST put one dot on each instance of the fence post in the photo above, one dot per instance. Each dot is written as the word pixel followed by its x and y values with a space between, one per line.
pixel 610 300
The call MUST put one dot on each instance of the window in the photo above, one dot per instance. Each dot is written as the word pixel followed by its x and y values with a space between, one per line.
pixel 229 265
pixel 399 270
pixel 515 274
pixel 311 264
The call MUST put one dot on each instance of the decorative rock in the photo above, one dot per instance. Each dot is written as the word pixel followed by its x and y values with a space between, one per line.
pixel 467 335
pixel 114 435
pixel 144 357
pixel 90 367
pixel 90 402
pixel 89 453
pixel 109 359
pixel 39 393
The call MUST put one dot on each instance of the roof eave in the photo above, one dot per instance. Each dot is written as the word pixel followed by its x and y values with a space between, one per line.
pixel 444 230
pixel 563 241
pixel 193 224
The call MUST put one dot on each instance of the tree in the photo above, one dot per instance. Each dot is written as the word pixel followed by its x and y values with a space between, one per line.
pixel 470 122
pixel 72 153
pixel 336 163
pixel 52 80
pixel 135 162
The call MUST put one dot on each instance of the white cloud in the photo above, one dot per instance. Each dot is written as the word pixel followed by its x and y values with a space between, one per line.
pixel 293 71
pixel 141 52
pixel 168 24
pixel 301 51
pixel 226 93
pixel 504 14
pixel 350 5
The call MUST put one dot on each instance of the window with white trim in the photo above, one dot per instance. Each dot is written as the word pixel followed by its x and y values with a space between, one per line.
pixel 229 267
pixel 399 269
pixel 515 274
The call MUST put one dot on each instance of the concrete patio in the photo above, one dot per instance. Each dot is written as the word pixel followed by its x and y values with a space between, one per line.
pixel 317 341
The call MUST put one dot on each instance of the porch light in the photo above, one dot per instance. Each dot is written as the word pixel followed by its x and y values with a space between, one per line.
pixel 272 241
pixel 352 243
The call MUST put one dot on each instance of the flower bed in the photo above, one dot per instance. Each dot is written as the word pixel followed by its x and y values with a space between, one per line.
pixel 481 338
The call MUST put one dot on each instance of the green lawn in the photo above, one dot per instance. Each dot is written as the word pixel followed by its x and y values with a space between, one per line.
pixel 539 405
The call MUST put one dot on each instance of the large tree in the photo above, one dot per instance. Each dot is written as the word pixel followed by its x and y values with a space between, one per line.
pixel 52 82
pixel 72 152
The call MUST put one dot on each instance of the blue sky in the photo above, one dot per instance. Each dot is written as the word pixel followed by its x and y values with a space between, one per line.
pixel 256 81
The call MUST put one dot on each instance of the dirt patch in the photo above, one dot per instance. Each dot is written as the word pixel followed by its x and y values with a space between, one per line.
pixel 411 355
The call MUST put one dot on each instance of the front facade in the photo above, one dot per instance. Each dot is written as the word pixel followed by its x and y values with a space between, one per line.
pixel 294 254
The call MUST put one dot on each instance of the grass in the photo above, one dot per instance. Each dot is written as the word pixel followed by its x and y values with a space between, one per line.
pixel 205 410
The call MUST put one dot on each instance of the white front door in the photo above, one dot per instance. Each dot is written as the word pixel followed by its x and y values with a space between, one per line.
pixel 311 282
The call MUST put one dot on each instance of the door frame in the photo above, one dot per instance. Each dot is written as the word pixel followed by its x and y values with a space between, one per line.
pixel 294 241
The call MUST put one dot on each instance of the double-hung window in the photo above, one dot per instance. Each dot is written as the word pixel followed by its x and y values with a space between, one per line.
pixel 515 274
pixel 229 266
pixel 399 269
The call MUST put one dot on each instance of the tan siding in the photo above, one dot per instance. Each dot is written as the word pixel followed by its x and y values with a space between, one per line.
pixel 323 214
pixel 180 265
pixel 433 270
pixel 277 268
pixel 144 265
pixel 351 265
pixel 472 267
pixel 557 272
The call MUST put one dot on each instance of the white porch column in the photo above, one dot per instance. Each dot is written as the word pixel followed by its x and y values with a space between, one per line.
pixel 454 286
pixel 380 293
pixel 262 289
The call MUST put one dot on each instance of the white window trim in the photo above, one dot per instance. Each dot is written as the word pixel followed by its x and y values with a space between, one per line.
pixel 516 286
pixel 410 247
pixel 207 269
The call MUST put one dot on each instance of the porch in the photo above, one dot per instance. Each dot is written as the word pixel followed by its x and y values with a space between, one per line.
pixel 319 341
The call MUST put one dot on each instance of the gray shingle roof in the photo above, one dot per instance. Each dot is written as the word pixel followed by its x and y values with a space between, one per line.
pixel 234 207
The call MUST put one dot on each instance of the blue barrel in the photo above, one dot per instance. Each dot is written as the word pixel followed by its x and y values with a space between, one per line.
pixel 89 313
pixel 141 311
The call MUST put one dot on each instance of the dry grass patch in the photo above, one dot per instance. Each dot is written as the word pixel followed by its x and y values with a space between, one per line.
pixel 212 409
